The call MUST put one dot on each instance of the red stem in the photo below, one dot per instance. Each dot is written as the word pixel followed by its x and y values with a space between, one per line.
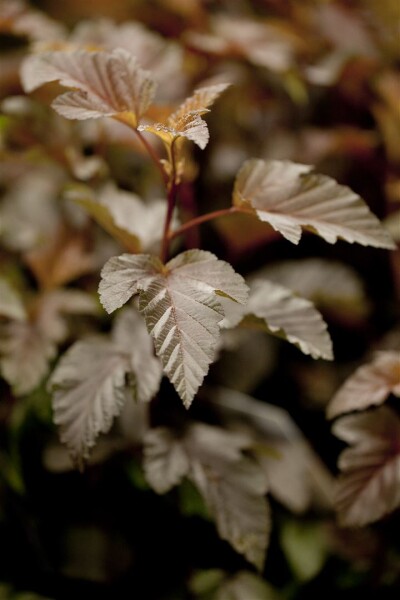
pixel 171 199
pixel 153 156
pixel 223 212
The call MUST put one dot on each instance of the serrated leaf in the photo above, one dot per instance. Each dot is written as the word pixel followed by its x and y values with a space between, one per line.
pixel 130 334
pixel 233 488
pixel 370 385
pixel 289 316
pixel 368 487
pixel 165 460
pixel 232 485
pixel 89 389
pixel 11 305
pixel 106 84
pixel 180 302
pixel 95 378
pixel 186 121
pixel 288 197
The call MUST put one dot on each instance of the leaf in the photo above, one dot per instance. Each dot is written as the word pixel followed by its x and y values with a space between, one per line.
pixel 106 84
pixel 232 485
pixel 262 44
pixel 246 585
pixel 296 476
pixel 368 487
pixel 163 57
pixel 25 353
pixel 130 220
pixel 329 284
pixel 27 347
pixel 130 334
pixel 306 547
pixel 370 385
pixel 11 305
pixel 89 389
pixel 95 378
pixel 288 316
pixel 186 121
pixel 233 488
pixel 165 460
pixel 288 197
pixel 181 304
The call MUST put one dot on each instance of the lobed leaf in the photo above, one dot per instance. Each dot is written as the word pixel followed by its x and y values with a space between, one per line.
pixel 288 197
pixel 368 487
pixel 181 306
pixel 105 84
pixel 370 385
pixel 232 485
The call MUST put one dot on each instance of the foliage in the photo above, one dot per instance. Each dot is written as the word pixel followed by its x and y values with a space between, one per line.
pixel 156 163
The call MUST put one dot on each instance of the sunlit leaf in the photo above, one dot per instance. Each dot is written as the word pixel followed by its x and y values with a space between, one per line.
pixel 370 385
pixel 368 487
pixel 182 305
pixel 288 197
pixel 284 314
pixel 105 84
pixel 95 378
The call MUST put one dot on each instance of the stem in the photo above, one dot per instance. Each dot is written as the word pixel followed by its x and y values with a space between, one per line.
pixel 153 156
pixel 223 212
pixel 171 199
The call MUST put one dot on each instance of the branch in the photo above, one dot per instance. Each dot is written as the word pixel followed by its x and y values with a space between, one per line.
pixel 223 212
